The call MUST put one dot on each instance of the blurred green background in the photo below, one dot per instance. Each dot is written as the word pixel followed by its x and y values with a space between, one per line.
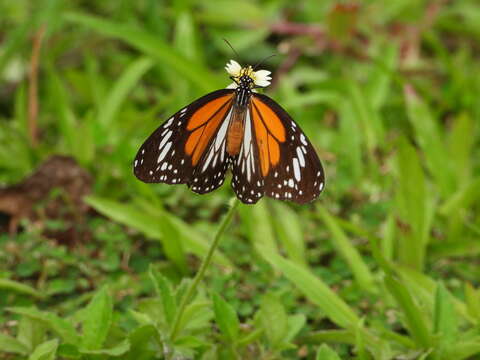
pixel 384 265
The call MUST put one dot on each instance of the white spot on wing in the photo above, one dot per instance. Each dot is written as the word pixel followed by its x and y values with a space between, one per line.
pixel 164 140
pixel 300 157
pixel 222 131
pixel 296 169
pixel 303 140
pixel 164 151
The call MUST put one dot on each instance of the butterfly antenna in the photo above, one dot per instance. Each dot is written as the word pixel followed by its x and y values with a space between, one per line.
pixel 231 47
pixel 265 59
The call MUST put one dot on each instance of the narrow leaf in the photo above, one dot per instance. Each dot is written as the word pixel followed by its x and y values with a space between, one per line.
pixel 97 320
pixel 414 319
pixel 164 291
pixel 20 288
pixel 342 244
pixel 11 345
pixel 326 353
pixel 151 45
pixel 226 318
pixel 315 290
pixel 274 320
pixel 445 320
pixel 124 84
pixel 45 351
pixel 62 327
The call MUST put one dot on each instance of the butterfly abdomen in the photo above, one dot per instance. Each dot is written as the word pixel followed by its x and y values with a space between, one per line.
pixel 236 129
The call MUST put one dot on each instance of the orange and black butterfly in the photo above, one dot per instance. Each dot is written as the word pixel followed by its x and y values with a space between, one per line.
pixel 234 128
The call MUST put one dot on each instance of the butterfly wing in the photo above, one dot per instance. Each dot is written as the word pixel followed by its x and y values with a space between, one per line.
pixel 288 163
pixel 247 181
pixel 177 151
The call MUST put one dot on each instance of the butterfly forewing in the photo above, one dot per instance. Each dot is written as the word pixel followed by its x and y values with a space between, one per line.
pixel 209 174
pixel 289 164
pixel 177 150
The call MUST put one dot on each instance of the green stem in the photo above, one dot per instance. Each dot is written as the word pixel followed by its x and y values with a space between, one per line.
pixel 201 272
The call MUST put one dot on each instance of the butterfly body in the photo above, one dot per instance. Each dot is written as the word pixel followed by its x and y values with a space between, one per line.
pixel 236 130
pixel 239 129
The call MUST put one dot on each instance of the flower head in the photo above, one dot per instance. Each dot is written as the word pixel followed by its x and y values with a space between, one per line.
pixel 261 78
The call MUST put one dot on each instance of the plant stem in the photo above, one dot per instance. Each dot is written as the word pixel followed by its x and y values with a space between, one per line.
pixel 201 272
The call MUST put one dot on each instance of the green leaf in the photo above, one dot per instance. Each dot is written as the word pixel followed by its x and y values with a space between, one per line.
pixel 150 45
pixel 31 332
pixel 139 339
pixel 164 291
pixel 342 244
pixel 414 318
pixel 428 135
pixel 368 118
pixel 461 140
pixel 45 351
pixel 326 353
pixel 11 345
pixel 381 76
pixel 62 327
pixel 423 288
pixel 122 86
pixel 290 233
pixel 197 316
pixel 445 320
pixel 412 207
pixel 97 319
pixel 462 198
pixel 20 288
pixel 68 351
pixel 464 349
pixel 295 323
pixel 118 350
pixel 315 290
pixel 274 321
pixel 472 299
pixel 226 318
pixel 350 144
pixel 143 220
pixel 256 220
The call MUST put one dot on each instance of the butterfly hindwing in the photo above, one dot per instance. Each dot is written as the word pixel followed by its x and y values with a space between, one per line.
pixel 247 180
pixel 175 150
pixel 289 164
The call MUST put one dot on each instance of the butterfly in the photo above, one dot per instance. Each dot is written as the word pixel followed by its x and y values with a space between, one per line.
pixel 240 129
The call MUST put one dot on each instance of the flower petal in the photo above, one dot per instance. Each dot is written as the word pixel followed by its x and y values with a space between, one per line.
pixel 262 83
pixel 262 73
pixel 262 77
pixel 233 68
pixel 232 86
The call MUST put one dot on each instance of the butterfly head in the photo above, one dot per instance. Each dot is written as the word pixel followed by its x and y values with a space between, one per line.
pixel 246 77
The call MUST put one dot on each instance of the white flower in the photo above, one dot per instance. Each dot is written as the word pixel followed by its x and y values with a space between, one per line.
pixel 233 68
pixel 260 78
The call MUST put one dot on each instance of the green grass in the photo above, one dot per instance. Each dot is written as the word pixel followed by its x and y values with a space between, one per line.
pixel 384 265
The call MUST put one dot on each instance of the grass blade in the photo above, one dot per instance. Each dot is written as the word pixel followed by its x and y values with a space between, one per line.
pixel 360 270
pixel 152 46
pixel 121 88
pixel 413 316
